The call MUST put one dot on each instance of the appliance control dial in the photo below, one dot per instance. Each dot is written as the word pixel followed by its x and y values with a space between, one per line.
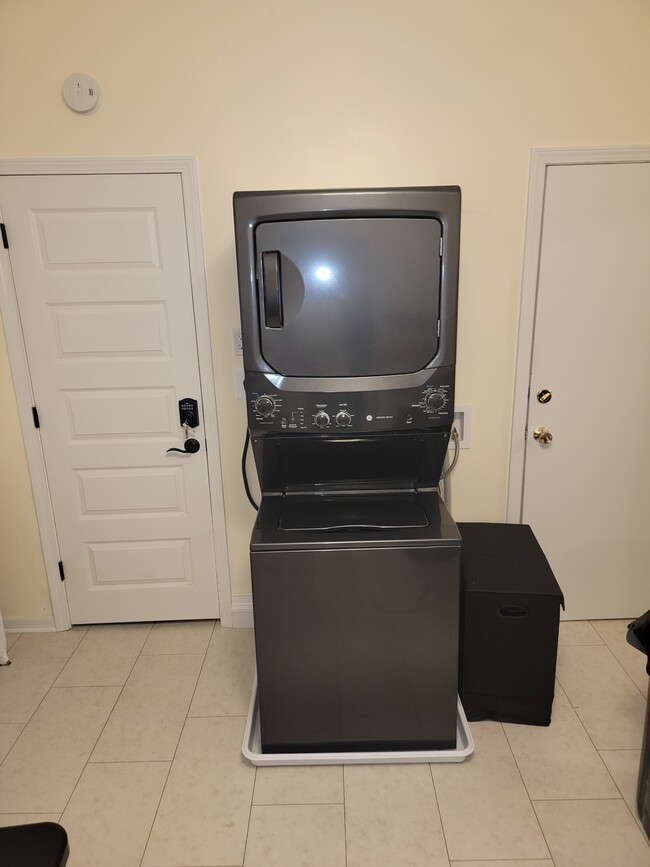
pixel 434 400
pixel 265 406
pixel 321 418
pixel 343 418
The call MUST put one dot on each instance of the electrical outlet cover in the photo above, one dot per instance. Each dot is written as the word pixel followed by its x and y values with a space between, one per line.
pixel 463 424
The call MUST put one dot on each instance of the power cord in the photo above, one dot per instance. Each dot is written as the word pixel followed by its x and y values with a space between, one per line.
pixel 456 439
pixel 244 474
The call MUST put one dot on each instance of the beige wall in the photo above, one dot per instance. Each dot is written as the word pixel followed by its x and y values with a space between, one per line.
pixel 324 93
pixel 23 588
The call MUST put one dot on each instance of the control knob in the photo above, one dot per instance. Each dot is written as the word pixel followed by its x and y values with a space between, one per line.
pixel 321 418
pixel 343 418
pixel 265 406
pixel 435 400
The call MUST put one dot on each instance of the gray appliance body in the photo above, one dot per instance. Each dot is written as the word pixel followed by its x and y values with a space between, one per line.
pixel 348 303
pixel 357 630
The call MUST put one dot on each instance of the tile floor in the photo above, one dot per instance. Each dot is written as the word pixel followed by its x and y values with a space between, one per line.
pixel 131 737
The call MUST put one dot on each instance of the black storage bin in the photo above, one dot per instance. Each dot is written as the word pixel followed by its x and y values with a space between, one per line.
pixel 510 615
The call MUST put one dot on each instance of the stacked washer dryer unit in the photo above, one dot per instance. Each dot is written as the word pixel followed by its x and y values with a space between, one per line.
pixel 348 308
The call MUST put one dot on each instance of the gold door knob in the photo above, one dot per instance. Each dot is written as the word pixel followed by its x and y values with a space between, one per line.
pixel 542 435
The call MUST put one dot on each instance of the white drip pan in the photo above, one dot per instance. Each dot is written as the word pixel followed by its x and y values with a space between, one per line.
pixel 252 747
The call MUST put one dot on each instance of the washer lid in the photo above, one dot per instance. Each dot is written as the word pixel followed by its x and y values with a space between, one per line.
pixel 439 530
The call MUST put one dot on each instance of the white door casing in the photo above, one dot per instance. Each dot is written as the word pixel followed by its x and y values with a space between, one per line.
pixel 585 493
pixel 101 266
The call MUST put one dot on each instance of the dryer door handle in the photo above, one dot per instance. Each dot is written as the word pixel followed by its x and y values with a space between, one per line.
pixel 272 289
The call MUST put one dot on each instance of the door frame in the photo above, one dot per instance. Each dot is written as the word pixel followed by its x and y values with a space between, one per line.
pixel 540 160
pixel 185 166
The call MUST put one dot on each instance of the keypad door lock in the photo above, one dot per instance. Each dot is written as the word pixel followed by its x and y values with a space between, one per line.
pixel 188 412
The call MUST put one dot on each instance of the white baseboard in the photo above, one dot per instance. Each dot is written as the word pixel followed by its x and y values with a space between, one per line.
pixel 242 618
pixel 29 624
pixel 242 612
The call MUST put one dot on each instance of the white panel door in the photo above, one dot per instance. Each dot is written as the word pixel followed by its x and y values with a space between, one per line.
pixel 100 266
pixel 586 492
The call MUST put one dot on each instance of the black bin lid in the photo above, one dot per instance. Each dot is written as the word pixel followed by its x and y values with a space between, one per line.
pixel 505 558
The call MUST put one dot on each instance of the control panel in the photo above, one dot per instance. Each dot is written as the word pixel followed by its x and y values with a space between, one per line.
pixel 428 406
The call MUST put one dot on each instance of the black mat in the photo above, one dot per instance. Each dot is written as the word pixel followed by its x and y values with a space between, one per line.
pixel 43 844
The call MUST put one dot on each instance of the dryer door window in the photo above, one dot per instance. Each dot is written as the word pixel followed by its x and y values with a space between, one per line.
pixel 348 297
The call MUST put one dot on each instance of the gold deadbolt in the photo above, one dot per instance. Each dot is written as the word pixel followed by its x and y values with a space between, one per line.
pixel 543 435
pixel 544 395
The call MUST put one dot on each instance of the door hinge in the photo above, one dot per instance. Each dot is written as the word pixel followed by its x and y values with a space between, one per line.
pixel 525 433
pixel 61 572
pixel 37 421
pixel 441 245
pixel 3 232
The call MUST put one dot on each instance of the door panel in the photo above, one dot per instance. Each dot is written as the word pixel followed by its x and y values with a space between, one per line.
pixel 121 412
pixel 100 265
pixel 150 489
pixel 88 237
pixel 586 492
pixel 119 329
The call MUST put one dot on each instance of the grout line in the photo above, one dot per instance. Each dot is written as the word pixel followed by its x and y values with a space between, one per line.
pixel 598 751
pixel 300 803
pixel 609 800
pixel 87 762
pixel 171 763
pixel 122 686
pixel 627 673
pixel 250 817
pixel 577 800
pixel 584 728
pixel 24 726
pixel 32 715
pixel 217 716
pixel 632 683
pixel 530 800
pixel 130 762
pixel 117 698
pixel 632 807
pixel 61 812
pixel 619 749
pixel 83 638
pixel 556 800
pixel 90 686
pixel 442 824
pixel 500 861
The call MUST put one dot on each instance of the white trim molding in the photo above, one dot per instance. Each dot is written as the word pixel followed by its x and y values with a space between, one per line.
pixel 242 612
pixel 185 166
pixel 540 160
pixel 29 624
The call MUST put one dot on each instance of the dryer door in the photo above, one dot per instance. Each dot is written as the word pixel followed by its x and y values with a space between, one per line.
pixel 349 297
